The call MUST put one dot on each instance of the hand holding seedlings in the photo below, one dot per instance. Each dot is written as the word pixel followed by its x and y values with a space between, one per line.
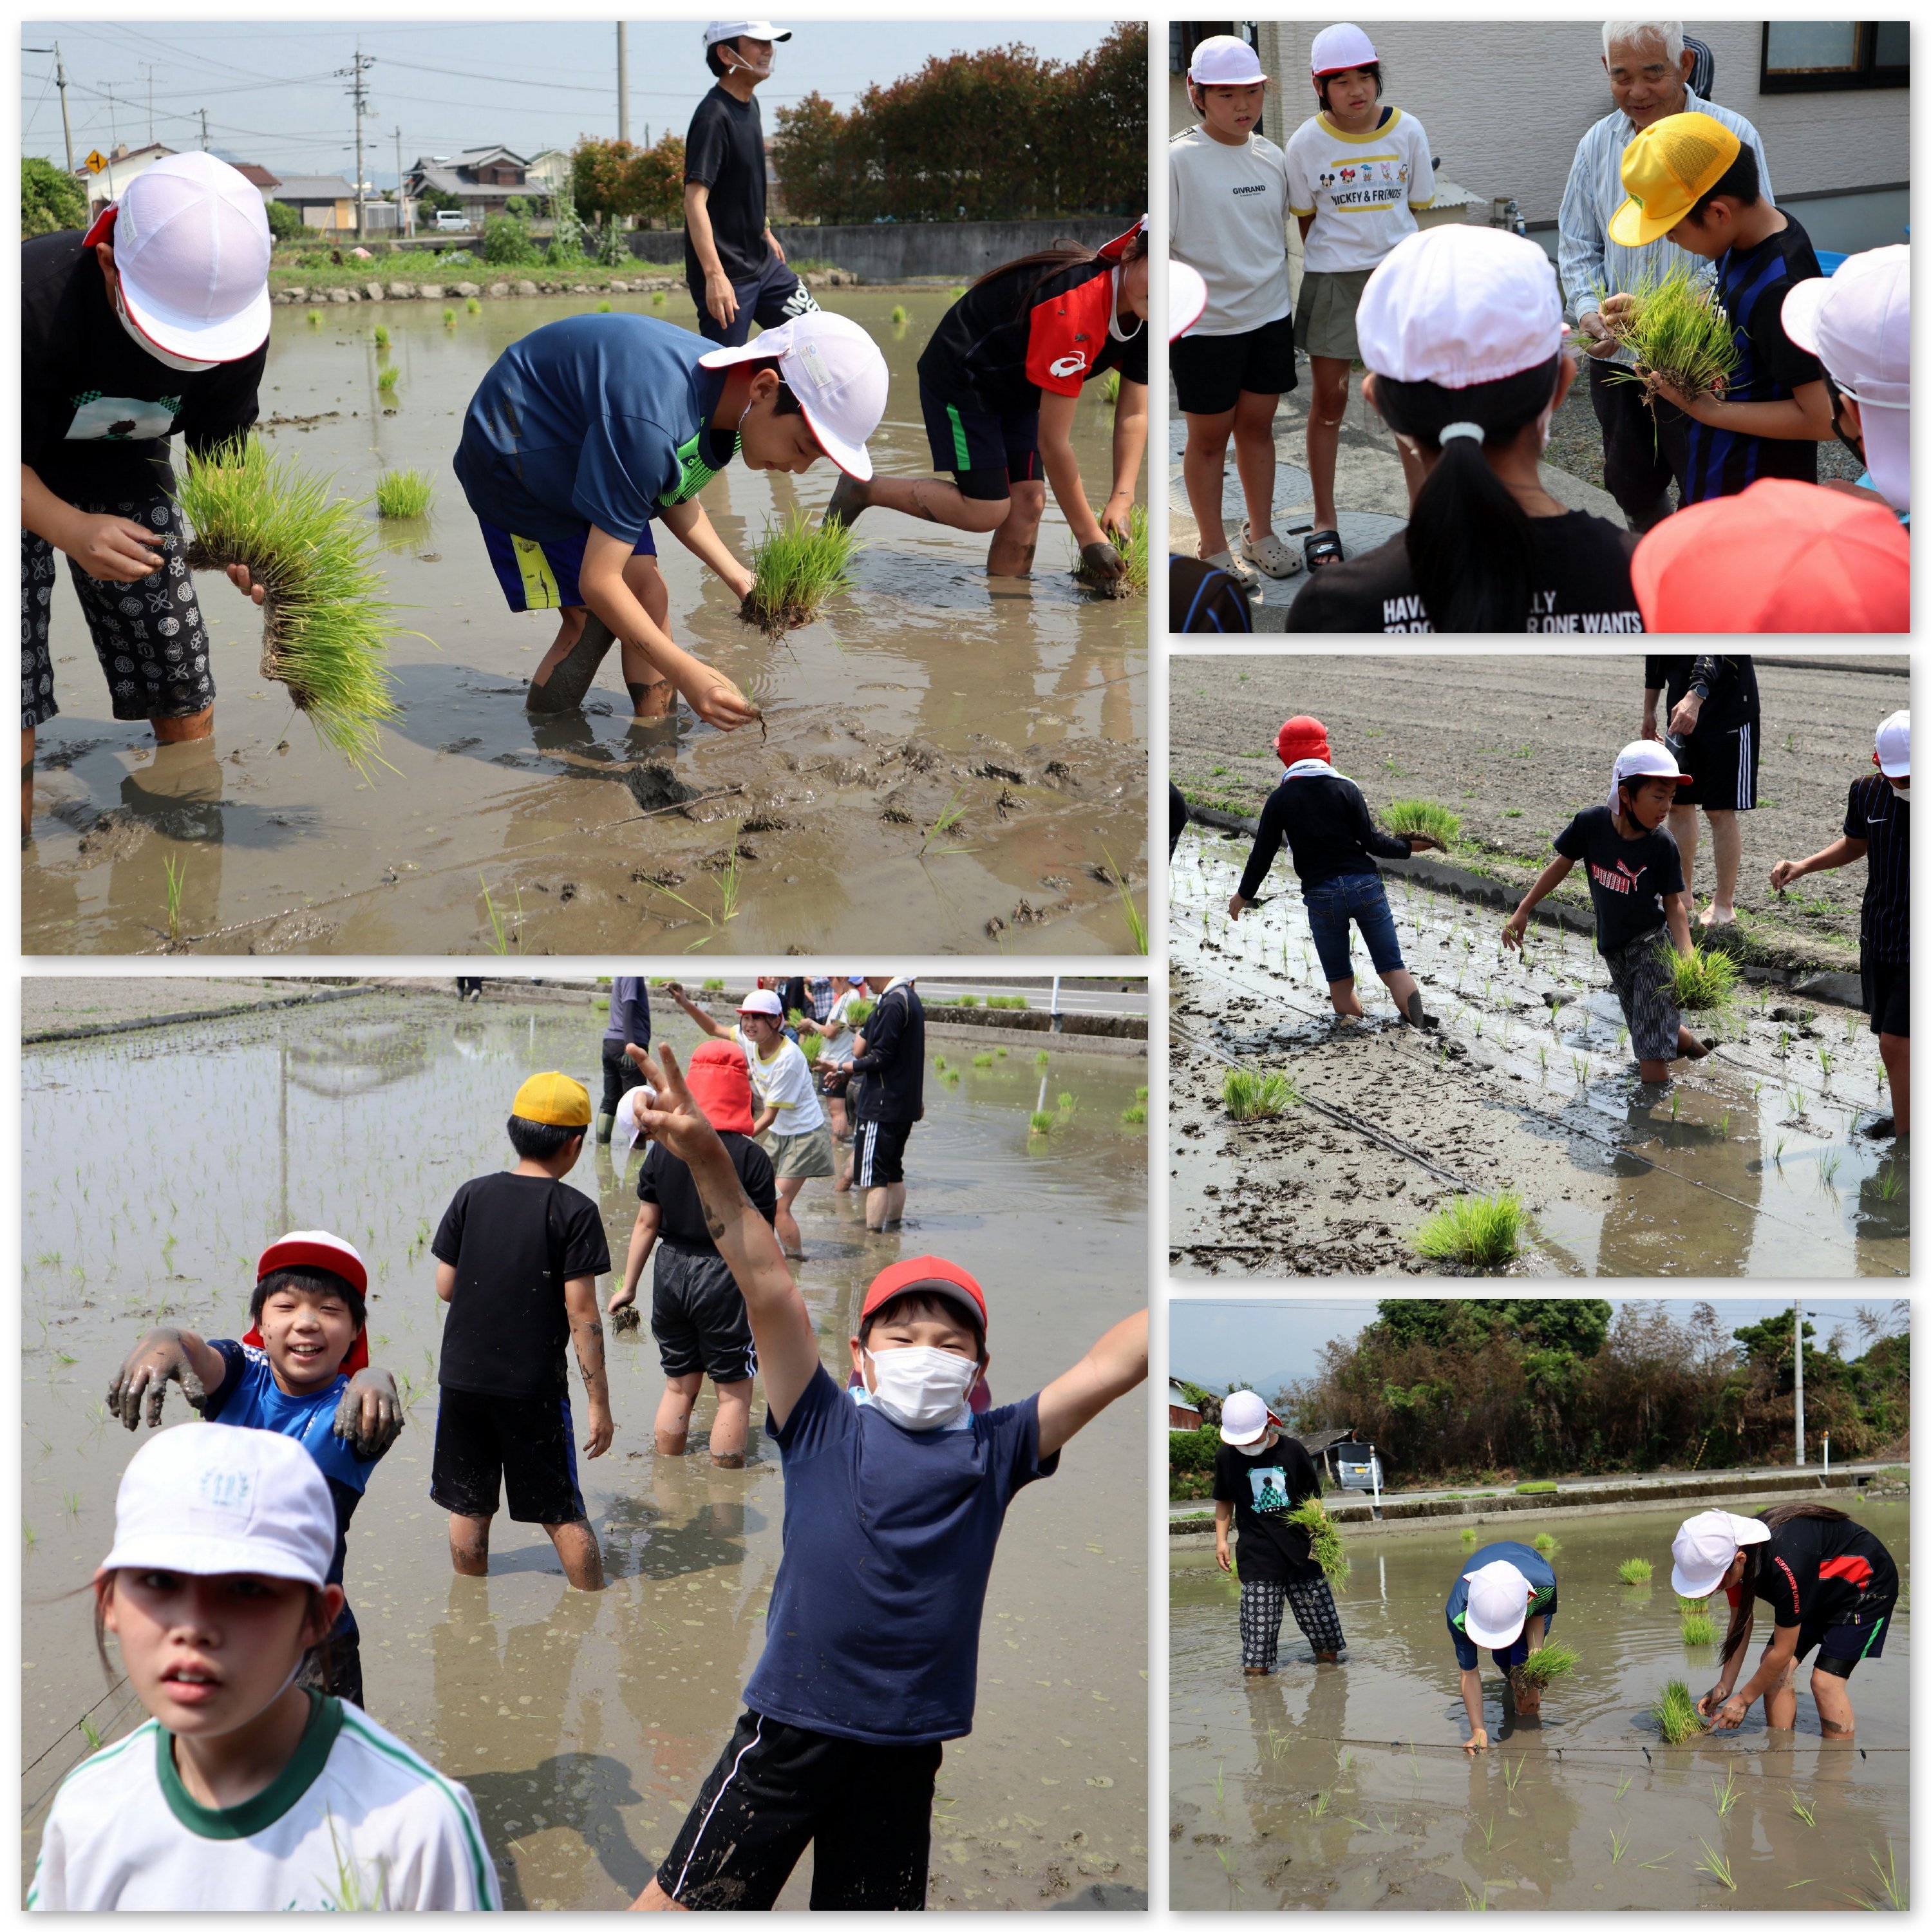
pixel 238 575
pixel 160 1357
pixel 369 1417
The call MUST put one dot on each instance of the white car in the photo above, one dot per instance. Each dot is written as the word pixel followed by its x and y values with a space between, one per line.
pixel 452 217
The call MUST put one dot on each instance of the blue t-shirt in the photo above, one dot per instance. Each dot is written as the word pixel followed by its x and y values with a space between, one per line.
pixel 873 1631
pixel 601 419
pixel 1541 1580
pixel 248 1398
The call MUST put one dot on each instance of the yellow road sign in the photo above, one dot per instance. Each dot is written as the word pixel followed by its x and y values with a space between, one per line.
pixel 96 162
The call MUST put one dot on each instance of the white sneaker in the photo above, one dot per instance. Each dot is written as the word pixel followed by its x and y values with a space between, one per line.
pixel 1243 572
pixel 1270 554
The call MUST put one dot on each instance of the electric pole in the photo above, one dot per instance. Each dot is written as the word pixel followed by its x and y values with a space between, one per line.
pixel 1799 1331
pixel 404 226
pixel 113 119
pixel 623 82
pixel 148 68
pixel 203 112
pixel 60 81
pixel 359 92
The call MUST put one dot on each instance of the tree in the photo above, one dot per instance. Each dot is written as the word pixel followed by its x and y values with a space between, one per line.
pixel 284 220
pixel 432 200
pixel 50 200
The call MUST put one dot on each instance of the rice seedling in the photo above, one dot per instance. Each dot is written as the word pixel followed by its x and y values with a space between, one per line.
pixel 448 318
pixel 315 318
pixel 1132 549
pixel 1317 1807
pixel 27 1532
pixel 1488 1831
pixel 1228 1860
pixel 1679 331
pixel 982 1059
pixel 1675 1713
pixel 938 1063
pixel 1470 1901
pixel 858 1013
pixel 473 306
pixel 1619 1844
pixel 1040 1058
pixel 657 298
pixel 1697 1628
pixel 1782 1142
pixel 1890 1184
pixel 402 493
pixel 900 315
pixel 1134 1116
pixel 1623 1784
pixel 382 336
pixel 1555 1659
pixel 1109 387
pixel 1827 1165
pixel 1802 1810
pixel 1794 1101
pixel 799 567
pixel 1546 1545
pixel 1656 1864
pixel 325 623
pixel 1823 1062
pixel 1324 1541
pixel 1482 1230
pixel 811 1045
pixel 1512 1768
pixel 175 872
pixel 1893 1887
pixel 1468 1539
pixel 1067 1104
pixel 1042 1122
pixel 1713 1862
pixel 602 308
pixel 1139 1093
pixel 1702 980
pixel 1405 815
pixel 1255 1096
pixel 1634 1570
pixel 1726 1793
pixel 499 936
pixel 1675 1104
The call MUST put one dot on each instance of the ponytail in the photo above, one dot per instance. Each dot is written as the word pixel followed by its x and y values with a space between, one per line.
pixel 1469 543
pixel 1755 1556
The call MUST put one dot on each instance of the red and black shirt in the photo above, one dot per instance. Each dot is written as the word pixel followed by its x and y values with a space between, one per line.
pixel 1816 1570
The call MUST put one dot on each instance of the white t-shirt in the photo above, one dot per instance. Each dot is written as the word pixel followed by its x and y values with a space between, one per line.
pixel 355 1820
pixel 784 1082
pixel 841 1051
pixel 1228 210
pixel 1362 189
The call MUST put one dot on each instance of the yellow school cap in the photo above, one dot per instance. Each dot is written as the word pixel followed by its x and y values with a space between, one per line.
pixel 1667 169
pixel 552 1100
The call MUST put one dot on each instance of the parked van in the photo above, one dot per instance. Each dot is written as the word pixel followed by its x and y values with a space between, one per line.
pixel 452 217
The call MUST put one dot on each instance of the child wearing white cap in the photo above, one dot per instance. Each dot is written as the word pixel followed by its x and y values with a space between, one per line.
pixel 154 322
pixel 1356 172
pixel 1462 331
pixel 1877 828
pixel 1831 1586
pixel 243 1792
pixel 1635 886
pixel 1503 1602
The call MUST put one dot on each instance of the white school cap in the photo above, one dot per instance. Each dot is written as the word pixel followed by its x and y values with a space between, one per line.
pixel 838 375
pixel 1243 1418
pixel 750 30
pixel 191 246
pixel 1705 1547
pixel 1186 297
pixel 1335 47
pixel 1893 754
pixel 762 1001
pixel 208 1500
pixel 1224 60
pixel 1644 758
pixel 1459 305
pixel 626 1130
pixel 1498 1605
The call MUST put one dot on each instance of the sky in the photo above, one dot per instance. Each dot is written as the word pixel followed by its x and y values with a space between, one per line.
pixel 273 94
pixel 1271 1343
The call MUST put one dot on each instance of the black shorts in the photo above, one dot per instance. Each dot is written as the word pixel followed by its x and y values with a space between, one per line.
pixel 865 1810
pixel 771 299
pixel 620 1074
pixel 697 1315
pixel 1722 764
pixel 878 1152
pixel 987 454
pixel 524 1446
pixel 1211 373
pixel 1847 1644
pixel 1887 995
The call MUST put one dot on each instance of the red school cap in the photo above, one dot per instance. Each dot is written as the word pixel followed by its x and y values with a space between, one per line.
pixel 925 1274
pixel 315 1247
pixel 720 1082
pixel 1302 737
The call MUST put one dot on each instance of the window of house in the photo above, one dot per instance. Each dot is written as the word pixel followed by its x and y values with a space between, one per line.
pixel 1820 56
pixel 1183 36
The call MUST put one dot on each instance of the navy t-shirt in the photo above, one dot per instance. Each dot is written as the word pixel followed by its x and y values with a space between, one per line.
pixel 1629 878
pixel 873 1631
pixel 600 419
pixel 1875 813
pixel 1541 1580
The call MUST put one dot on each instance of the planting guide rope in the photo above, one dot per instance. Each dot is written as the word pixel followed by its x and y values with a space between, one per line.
pixel 1563 1753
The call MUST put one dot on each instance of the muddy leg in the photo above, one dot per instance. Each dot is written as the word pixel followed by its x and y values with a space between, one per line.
pixel 1345 1000
pixel 784 1224
pixel 933 500
pixel 576 1545
pixel 184 730
pixel 731 1429
pixel 1780 1703
pixel 27 781
pixel 566 673
pixel 672 1428
pixel 1407 996
pixel 1017 536
pixel 1833 1704
pixel 1687 1045
pixel 469 1545
pixel 651 694
pixel 884 1207
pixel 1894 1049
pixel 1654 1072
pixel 655 1898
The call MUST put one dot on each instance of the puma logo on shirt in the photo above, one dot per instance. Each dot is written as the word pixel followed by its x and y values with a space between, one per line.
pixel 1622 879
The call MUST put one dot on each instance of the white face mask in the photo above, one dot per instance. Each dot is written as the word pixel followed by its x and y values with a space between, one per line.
pixel 180 363
pixel 1903 791
pixel 1259 1448
pixel 922 1388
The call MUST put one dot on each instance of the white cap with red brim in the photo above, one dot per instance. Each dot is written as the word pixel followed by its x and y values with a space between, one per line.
pixel 1705 1547
pixel 1892 756
pixel 316 1248
pixel 1498 1607
pixel 838 373
pixel 1459 305
pixel 1644 758
pixel 1342 45
pixel 1186 297
pixel 746 30
pixel 1244 1417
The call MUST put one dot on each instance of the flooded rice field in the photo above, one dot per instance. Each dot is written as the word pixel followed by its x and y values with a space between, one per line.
pixel 584 1725
pixel 930 689
pixel 1749 1163
pixel 1343 1786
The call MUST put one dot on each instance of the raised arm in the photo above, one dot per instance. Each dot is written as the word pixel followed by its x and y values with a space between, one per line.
pixel 693 1011
pixel 1115 1364
pixel 161 1356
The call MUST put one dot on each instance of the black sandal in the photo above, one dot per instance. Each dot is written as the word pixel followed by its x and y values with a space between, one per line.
pixel 1322 548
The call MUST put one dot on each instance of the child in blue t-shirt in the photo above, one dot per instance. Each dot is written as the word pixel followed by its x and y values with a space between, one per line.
pixel 302 1370
pixel 895 1494
pixel 1502 1601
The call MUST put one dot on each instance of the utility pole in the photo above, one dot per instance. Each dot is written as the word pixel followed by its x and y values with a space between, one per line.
pixel 623 82
pixel 359 92
pixel 405 225
pixel 1799 1332
pixel 60 81
pixel 148 68
pixel 113 120
pixel 203 112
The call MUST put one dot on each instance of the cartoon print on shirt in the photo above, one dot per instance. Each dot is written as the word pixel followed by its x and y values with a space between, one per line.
pixel 1270 1490
pixel 99 418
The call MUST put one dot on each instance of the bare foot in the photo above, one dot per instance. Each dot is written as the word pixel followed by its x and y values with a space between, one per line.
pixel 1713 916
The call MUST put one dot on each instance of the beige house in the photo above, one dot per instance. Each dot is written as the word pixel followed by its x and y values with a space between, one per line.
pixel 123 165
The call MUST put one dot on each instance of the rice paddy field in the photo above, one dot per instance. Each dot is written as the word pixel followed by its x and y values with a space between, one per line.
pixel 583 1725
pixel 937 747
pixel 1343 1787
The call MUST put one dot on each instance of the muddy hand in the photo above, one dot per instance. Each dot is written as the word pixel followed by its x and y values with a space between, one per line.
pixel 1104 566
pixel 1477 1741
pixel 238 575
pixel 602 1428
pixel 1729 1715
pixel 369 1417
pixel 1783 874
pixel 721 704
pixel 1512 935
pixel 848 497
pixel 157 1359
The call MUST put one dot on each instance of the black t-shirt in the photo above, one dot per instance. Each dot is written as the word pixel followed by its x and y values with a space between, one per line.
pixel 1013 334
pixel 1751 284
pixel 1629 878
pixel 665 1179
pixel 1324 820
pixel 725 150
pixel 513 1240
pixel 1875 813
pixel 1728 685
pixel 96 409
pixel 1263 1489
pixel 1815 1570
pixel 1581 578
pixel 889 1078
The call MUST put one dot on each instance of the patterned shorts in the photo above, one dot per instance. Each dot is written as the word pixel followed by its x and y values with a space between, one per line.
pixel 147 634
pixel 1261 1604
pixel 1640 977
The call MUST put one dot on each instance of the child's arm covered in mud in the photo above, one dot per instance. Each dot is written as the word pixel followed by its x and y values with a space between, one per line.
pixel 1471 1701
pixel 1557 869
pixel 1115 1364
pixel 161 1356
pixel 586 1330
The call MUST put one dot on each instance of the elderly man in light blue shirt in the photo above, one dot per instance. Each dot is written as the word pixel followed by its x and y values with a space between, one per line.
pixel 1648 68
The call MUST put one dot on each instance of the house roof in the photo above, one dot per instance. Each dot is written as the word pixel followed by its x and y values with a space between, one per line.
pixel 1315 1440
pixel 122 156
pixel 474 157
pixel 250 171
pixel 313 187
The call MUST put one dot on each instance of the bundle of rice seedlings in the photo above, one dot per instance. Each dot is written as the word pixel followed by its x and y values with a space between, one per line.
pixel 473 306
pixel 1634 1570
pixel 1703 980
pixel 657 299
pixel 1255 1096
pixel 1133 553
pixel 1677 330
pixel 1697 1626
pixel 1042 1122
pixel 1675 1713
pixel 899 316
pixel 402 493
pixel 382 336
pixel 799 566
pixel 982 1059
pixel 1482 1230
pixel 386 379
pixel 325 623
pixel 1540 1488
pixel 449 318
pixel 858 1011
pixel 1423 815
pixel 1135 1116
pixel 315 318
pixel 1468 1539
pixel 602 308
pixel 1324 1541
pixel 1109 387
pixel 1545 1666
pixel 811 1045
pixel 1545 1545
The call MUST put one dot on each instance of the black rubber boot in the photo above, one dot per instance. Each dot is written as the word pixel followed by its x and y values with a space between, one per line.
pixel 569 683
pixel 848 499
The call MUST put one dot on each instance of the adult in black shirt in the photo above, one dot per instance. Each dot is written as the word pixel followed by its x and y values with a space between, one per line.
pixel 886 1097
pixel 517 1256
pixel 1710 715
pixel 734 265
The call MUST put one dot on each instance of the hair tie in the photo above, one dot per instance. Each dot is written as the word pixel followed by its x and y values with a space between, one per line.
pixel 1474 431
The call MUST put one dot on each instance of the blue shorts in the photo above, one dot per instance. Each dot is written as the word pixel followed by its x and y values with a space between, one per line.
pixel 770 300
pixel 987 454
pixel 1358 897
pixel 542 575
pixel 1861 1634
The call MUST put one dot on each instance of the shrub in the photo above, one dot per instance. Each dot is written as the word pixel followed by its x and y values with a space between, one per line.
pixel 50 199
pixel 1482 1231
pixel 1255 1096
pixel 1405 815
pixel 507 242
pixel 402 493
pixel 284 222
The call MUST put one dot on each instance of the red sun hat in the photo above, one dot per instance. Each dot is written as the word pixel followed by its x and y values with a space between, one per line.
pixel 1302 737
pixel 720 1082
pixel 925 1274
pixel 315 1247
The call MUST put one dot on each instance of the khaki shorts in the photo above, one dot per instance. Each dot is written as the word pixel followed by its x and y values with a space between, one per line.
pixel 798 1156
pixel 1324 313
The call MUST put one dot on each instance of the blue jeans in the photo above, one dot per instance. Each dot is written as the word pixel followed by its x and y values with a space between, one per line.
pixel 1331 905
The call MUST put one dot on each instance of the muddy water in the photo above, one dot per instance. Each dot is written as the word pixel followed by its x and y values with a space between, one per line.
pixel 1301 1789
pixel 584 1725
pixel 288 850
pixel 1749 1165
